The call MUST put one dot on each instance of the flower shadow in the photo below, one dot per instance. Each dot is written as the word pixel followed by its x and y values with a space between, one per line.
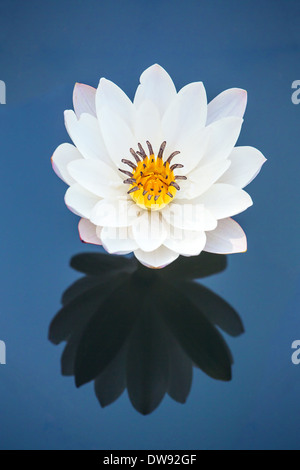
pixel 127 326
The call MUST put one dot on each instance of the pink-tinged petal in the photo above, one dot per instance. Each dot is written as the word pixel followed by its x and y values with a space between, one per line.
pixel 157 86
pixel 109 95
pixel 87 232
pixel 224 200
pixel 84 99
pixel 227 238
pixel 230 102
pixel 246 163
pixel 63 155
pixel 156 259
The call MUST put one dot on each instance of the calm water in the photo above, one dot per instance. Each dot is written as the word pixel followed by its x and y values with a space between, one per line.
pixel 45 48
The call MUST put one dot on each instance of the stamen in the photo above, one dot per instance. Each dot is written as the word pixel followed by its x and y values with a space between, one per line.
pixel 133 153
pixel 161 150
pixel 172 156
pixel 150 148
pixel 125 172
pixel 128 162
pixel 129 181
pixel 152 181
pixel 176 165
pixel 175 185
pixel 142 151
pixel 136 188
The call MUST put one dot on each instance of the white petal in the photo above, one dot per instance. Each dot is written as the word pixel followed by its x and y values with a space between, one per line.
pixel 188 215
pixel 117 135
pixel 157 86
pixel 97 177
pixel 80 201
pixel 117 240
pixel 150 230
pixel 188 111
pixel 227 238
pixel 230 102
pixel 224 200
pixel 87 232
pixel 193 148
pixel 156 259
pixel 84 99
pixel 111 96
pixel 201 179
pixel 187 244
pixel 86 135
pixel 115 213
pixel 223 137
pixel 63 155
pixel 246 163
pixel 148 126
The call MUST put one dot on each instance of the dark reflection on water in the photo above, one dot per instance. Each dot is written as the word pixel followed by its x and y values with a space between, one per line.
pixel 127 326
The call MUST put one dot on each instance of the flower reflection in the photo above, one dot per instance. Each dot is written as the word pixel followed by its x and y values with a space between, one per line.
pixel 129 327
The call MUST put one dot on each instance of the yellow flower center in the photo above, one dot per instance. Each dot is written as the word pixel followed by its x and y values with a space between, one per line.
pixel 152 181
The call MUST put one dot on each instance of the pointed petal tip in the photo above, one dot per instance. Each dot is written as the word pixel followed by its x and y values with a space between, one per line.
pixel 229 238
pixel 87 232
pixel 80 237
pixel 68 113
pixel 243 247
pixel 82 85
pixel 240 90
pixel 55 169
pixel 156 68
pixel 103 81
pixel 244 242
pixel 243 94
pixel 106 85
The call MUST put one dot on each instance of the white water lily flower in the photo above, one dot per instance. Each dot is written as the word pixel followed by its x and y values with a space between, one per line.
pixel 160 177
